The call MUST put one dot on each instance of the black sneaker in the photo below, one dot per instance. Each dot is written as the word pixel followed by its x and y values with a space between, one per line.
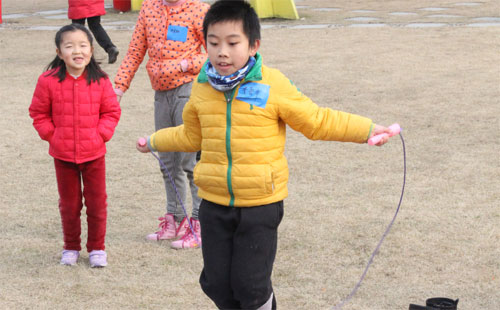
pixel 112 55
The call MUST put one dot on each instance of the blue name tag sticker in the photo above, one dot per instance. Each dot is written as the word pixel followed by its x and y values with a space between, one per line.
pixel 254 93
pixel 177 33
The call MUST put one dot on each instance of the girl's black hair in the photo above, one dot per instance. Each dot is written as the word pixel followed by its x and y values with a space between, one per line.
pixel 94 71
pixel 231 10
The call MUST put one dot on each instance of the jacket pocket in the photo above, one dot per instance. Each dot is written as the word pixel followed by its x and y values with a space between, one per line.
pixel 93 141
pixel 99 137
pixel 252 181
pixel 57 144
pixel 52 137
pixel 245 181
pixel 211 178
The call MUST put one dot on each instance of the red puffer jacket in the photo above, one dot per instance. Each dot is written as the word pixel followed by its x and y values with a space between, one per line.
pixel 78 9
pixel 74 117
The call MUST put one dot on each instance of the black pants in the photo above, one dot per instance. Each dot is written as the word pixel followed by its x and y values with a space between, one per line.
pixel 239 247
pixel 97 30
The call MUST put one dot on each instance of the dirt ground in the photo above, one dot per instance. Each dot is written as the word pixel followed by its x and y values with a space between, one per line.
pixel 441 83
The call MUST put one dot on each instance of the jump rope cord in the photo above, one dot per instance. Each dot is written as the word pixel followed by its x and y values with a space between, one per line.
pixel 356 287
pixel 178 197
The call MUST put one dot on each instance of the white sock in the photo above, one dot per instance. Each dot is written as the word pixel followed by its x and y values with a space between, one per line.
pixel 268 305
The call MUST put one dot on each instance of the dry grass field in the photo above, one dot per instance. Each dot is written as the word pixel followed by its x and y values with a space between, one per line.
pixel 442 84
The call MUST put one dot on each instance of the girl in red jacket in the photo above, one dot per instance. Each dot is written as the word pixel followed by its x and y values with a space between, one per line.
pixel 92 10
pixel 75 109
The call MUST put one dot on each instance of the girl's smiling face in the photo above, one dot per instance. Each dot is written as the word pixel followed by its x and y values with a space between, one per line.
pixel 75 50
pixel 228 47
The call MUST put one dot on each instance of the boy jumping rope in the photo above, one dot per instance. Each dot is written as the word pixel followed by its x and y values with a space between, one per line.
pixel 237 116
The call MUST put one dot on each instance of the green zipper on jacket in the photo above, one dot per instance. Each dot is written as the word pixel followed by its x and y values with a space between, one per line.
pixel 255 74
pixel 229 98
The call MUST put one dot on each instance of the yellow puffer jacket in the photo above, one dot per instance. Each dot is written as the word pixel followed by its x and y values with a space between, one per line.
pixel 242 135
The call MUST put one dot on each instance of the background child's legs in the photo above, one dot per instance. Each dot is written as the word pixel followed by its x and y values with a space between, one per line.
pixel 168 113
pixel 172 161
pixel 80 21
pixel 98 31
pixel 188 161
pixel 94 192
pixel 239 248
pixel 70 202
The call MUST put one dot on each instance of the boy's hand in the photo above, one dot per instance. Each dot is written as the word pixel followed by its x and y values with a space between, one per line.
pixel 377 130
pixel 142 145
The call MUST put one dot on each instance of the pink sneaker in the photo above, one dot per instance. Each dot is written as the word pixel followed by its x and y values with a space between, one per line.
pixel 189 241
pixel 98 258
pixel 183 227
pixel 168 229
pixel 69 257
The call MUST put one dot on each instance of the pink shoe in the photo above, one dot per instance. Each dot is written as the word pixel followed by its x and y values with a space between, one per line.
pixel 183 227
pixel 69 257
pixel 98 258
pixel 168 229
pixel 190 240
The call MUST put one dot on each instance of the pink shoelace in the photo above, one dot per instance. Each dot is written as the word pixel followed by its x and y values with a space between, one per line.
pixel 189 237
pixel 163 225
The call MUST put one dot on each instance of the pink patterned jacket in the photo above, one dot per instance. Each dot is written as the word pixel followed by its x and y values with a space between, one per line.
pixel 171 35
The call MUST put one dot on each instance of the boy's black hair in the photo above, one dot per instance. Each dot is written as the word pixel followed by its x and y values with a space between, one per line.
pixel 234 10
pixel 94 71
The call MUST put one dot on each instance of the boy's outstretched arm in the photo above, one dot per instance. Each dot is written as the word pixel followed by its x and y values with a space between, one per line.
pixel 183 138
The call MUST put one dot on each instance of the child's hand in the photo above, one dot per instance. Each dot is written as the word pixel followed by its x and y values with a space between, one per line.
pixel 377 130
pixel 184 65
pixel 142 145
pixel 119 94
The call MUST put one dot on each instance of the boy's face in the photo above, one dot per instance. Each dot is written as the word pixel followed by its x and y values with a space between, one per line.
pixel 228 47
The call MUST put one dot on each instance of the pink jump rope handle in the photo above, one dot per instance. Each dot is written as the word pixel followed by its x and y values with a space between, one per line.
pixel 142 142
pixel 395 130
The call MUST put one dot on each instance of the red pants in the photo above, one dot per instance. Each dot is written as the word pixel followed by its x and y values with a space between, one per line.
pixel 69 184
